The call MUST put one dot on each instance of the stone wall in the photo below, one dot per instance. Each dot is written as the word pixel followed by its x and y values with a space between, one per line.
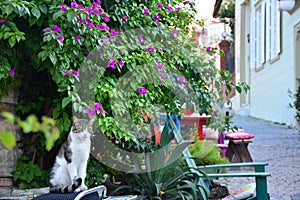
pixel 8 157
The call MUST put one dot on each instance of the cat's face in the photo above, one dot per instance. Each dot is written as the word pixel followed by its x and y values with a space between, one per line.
pixel 82 128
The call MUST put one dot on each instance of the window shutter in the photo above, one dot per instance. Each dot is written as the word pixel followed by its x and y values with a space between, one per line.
pixel 278 38
pixel 268 29
pixel 262 27
pixel 252 40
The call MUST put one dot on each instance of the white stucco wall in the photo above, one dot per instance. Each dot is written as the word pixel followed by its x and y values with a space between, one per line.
pixel 269 97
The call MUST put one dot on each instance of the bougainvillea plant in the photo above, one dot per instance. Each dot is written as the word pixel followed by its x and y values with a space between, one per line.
pixel 48 48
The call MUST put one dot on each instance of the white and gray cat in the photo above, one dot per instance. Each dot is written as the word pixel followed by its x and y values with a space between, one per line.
pixel 69 170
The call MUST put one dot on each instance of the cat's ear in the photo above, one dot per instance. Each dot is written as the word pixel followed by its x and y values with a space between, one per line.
pixel 91 121
pixel 75 119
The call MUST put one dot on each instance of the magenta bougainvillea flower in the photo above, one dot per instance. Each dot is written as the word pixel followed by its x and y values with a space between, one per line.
pixel 140 37
pixel 76 72
pixel 90 25
pixel 208 48
pixel 90 112
pixel 125 17
pixel 55 28
pixel 142 90
pixel 121 63
pixel 111 63
pixel 80 20
pixel 98 108
pixel 74 4
pixel 76 57
pixel 181 80
pixel 174 32
pixel 177 9
pixel 12 71
pixel 60 38
pixel 63 7
pixel 3 21
pixel 156 17
pixel 160 66
pixel 186 2
pixel 159 6
pixel 77 37
pixel 150 49
pixel 86 52
pixel 146 11
pixel 162 76
pixel 169 8
pixel 68 73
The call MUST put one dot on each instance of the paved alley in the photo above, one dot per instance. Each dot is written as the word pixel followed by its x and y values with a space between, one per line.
pixel 278 145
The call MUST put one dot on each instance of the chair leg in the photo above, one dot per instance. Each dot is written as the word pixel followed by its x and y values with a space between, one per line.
pixel 261 188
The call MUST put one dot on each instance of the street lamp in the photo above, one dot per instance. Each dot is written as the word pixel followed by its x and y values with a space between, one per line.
pixel 224 35
pixel 286 5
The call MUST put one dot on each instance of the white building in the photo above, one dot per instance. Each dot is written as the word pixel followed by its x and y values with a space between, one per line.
pixel 267 57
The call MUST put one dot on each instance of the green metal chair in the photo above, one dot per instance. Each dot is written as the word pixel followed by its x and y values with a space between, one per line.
pixel 258 172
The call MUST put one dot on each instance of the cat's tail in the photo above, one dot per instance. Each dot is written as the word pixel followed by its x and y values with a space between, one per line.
pixel 66 189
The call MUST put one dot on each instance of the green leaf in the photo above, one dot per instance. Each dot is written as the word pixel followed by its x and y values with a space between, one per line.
pixel 43 8
pixel 8 116
pixel 238 89
pixel 12 41
pixel 71 16
pixel 57 15
pixel 65 102
pixel 36 12
pixel 8 9
pixel 53 58
pixel 8 139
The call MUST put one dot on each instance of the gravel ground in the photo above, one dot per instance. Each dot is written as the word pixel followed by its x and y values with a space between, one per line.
pixel 279 146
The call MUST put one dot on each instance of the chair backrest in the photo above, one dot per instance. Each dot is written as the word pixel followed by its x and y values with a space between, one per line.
pixel 100 190
pixel 190 162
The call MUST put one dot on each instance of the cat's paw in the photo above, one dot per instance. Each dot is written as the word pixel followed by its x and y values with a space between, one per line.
pixel 83 187
pixel 77 190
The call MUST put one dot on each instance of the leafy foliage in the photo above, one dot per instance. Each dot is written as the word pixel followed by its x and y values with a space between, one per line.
pixel 31 124
pixel 44 43
pixel 29 175
pixel 167 179
pixel 95 172
pixel 296 103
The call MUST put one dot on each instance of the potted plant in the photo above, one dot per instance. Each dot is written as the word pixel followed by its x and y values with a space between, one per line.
pixel 206 152
pixel 163 175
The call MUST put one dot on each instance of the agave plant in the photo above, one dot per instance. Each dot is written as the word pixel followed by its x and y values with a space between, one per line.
pixel 163 174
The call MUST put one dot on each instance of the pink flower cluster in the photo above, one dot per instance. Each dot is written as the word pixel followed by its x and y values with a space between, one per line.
pixel 95 9
pixel 112 63
pixel 97 109
pixel 12 71
pixel 75 72
pixel 142 90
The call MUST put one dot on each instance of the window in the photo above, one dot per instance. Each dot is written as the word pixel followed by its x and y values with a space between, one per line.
pixel 272 29
pixel 259 35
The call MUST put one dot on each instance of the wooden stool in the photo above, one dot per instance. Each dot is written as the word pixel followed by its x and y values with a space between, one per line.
pixel 238 147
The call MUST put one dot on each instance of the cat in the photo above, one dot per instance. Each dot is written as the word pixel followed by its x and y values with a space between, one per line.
pixel 217 191
pixel 69 170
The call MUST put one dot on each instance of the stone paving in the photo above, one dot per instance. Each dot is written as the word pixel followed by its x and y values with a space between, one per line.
pixel 278 145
